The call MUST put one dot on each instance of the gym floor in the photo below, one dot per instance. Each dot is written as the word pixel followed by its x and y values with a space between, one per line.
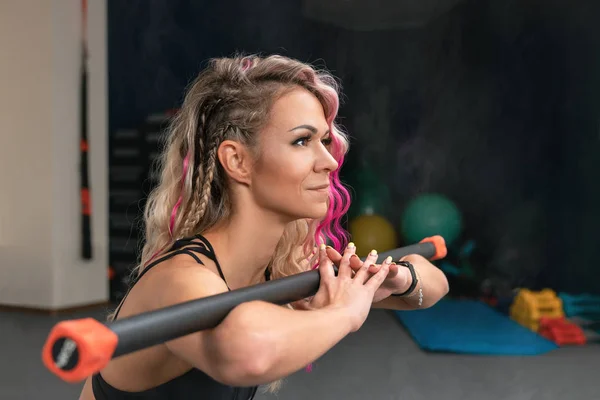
pixel 380 362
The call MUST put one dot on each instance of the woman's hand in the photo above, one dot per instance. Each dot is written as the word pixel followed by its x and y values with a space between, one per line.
pixel 350 290
pixel 398 279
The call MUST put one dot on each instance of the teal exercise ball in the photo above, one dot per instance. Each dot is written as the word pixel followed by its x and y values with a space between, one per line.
pixel 370 195
pixel 428 215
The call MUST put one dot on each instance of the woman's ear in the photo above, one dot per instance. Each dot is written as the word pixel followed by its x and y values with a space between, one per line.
pixel 236 161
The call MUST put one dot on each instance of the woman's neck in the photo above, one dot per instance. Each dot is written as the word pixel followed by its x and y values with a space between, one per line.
pixel 245 244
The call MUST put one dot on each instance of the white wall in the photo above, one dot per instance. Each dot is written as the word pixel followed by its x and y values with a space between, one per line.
pixel 39 141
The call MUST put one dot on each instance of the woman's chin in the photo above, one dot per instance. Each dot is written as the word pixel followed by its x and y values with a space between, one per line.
pixel 317 212
pixel 309 211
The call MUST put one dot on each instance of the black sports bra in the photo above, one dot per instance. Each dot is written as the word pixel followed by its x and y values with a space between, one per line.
pixel 193 384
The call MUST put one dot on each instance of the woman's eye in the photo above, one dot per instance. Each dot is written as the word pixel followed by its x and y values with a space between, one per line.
pixel 302 141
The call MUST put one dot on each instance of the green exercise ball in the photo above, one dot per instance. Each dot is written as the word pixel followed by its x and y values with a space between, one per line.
pixel 431 214
pixel 369 193
pixel 369 202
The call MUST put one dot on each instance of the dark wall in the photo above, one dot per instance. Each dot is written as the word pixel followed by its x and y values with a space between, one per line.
pixel 576 189
pixel 469 106
pixel 157 47
pixel 493 104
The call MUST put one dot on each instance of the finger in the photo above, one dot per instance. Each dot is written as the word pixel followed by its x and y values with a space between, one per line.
pixel 344 266
pixel 371 259
pixel 336 257
pixel 362 275
pixel 352 259
pixel 376 280
pixel 325 264
pixel 370 262
pixel 355 262
pixel 333 255
pixel 393 268
pixel 393 272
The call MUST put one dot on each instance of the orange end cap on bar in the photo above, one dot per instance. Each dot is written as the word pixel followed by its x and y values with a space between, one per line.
pixel 440 246
pixel 93 342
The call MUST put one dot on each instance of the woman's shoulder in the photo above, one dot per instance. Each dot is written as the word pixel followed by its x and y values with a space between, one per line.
pixel 176 280
pixel 182 278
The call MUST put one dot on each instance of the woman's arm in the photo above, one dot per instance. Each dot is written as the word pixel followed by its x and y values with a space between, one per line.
pixel 258 342
pixel 432 281
pixel 276 341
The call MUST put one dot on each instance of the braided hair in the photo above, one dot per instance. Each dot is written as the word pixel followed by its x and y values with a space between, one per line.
pixel 230 100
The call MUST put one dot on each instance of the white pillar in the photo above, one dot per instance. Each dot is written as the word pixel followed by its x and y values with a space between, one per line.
pixel 40 264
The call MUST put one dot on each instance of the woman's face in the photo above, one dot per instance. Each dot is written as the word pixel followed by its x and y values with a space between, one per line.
pixel 291 175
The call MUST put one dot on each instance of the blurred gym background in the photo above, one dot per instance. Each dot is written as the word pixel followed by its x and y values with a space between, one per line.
pixel 474 119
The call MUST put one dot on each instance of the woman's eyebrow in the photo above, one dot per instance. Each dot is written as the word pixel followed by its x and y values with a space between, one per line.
pixel 310 128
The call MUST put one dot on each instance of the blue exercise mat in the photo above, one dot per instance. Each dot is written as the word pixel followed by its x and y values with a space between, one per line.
pixel 471 327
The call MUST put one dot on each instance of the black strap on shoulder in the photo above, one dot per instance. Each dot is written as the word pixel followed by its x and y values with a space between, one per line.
pixel 209 252
pixel 149 267
pixel 213 256
pixel 204 247
pixel 186 246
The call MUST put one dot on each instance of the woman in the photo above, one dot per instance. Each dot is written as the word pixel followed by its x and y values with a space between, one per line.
pixel 249 189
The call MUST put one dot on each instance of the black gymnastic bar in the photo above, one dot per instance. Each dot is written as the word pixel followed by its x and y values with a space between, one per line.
pixel 77 349
pixel 154 327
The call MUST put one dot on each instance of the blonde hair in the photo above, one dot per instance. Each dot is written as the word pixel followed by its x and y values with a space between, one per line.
pixel 231 100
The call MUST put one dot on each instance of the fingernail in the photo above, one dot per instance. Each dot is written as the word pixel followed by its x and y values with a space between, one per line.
pixel 392 263
pixel 372 265
pixel 322 246
pixel 350 245
pixel 353 255
pixel 373 252
pixel 388 260
pixel 329 247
